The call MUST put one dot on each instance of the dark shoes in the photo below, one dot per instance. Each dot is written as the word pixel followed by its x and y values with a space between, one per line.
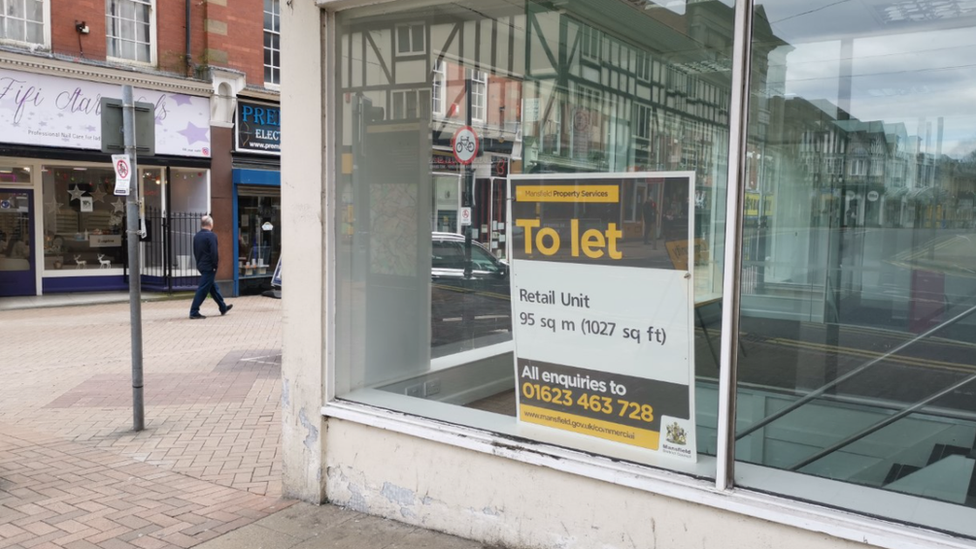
pixel 223 311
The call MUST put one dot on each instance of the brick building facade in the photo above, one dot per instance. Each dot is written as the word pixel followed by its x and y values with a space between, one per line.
pixel 196 62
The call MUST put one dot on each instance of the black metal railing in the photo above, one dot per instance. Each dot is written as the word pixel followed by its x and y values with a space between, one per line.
pixel 167 250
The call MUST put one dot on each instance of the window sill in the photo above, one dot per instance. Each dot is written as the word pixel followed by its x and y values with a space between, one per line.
pixel 496 436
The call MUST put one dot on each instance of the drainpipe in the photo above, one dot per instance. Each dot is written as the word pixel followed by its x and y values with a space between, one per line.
pixel 189 56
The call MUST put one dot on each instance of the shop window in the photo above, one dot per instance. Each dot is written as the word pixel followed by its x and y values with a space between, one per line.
pixel 24 22
pixel 272 42
pixel 424 312
pixel 259 237
pixel 130 30
pixel 857 295
pixel 84 223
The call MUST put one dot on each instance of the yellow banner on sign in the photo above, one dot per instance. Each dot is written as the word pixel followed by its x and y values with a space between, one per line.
pixel 568 193
pixel 592 427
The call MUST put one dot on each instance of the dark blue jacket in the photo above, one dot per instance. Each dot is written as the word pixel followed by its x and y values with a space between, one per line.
pixel 205 250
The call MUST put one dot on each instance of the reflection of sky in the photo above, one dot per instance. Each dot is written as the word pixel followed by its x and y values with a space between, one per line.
pixel 910 73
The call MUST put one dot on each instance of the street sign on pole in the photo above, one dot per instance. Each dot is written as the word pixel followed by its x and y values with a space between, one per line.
pixel 123 173
pixel 113 127
pixel 130 128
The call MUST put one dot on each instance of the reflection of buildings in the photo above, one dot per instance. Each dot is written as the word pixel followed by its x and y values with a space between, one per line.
pixel 418 73
pixel 578 99
pixel 825 194
pixel 867 173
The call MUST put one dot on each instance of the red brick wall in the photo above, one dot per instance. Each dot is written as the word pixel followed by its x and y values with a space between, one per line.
pixel 64 37
pixel 244 42
pixel 171 34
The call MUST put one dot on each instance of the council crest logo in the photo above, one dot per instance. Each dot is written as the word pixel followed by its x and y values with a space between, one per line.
pixel 676 434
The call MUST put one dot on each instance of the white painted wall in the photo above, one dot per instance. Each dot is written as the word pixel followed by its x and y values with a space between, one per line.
pixel 303 247
pixel 499 501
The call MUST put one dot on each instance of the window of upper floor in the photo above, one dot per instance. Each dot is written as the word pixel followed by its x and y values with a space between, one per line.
pixel 25 23
pixel 272 42
pixel 130 30
pixel 411 39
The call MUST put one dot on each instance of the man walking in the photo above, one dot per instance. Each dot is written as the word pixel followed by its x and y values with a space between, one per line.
pixel 205 252
pixel 649 215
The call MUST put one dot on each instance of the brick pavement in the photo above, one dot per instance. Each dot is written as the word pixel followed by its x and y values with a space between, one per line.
pixel 73 474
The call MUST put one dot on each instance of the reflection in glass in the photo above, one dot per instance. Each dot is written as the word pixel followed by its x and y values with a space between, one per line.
pixel 422 310
pixel 84 222
pixel 859 271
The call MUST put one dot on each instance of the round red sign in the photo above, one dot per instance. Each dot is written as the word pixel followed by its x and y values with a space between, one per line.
pixel 465 145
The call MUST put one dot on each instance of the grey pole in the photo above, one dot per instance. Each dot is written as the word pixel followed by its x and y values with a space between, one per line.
pixel 135 278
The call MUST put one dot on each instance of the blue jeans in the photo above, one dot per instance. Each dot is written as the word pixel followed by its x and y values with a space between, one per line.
pixel 207 286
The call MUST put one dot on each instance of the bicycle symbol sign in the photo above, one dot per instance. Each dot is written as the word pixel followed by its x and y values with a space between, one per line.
pixel 122 168
pixel 465 145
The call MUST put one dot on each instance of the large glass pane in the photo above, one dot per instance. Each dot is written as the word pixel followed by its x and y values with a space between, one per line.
pixel 424 276
pixel 84 222
pixel 859 256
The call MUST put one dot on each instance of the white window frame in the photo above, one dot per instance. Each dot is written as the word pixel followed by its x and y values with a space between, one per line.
pixel 409 28
pixel 403 99
pixel 438 91
pixel 590 43
pixel 153 43
pixel 275 53
pixel 479 94
pixel 45 43
pixel 644 64
pixel 642 121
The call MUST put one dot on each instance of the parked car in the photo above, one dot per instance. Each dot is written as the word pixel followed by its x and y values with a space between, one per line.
pixel 466 307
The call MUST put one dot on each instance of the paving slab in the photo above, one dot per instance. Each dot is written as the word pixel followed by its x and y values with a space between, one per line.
pixel 206 470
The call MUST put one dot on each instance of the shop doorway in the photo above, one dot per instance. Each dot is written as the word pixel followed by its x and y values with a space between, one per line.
pixel 17 267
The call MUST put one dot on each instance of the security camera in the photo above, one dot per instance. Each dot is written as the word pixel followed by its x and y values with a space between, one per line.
pixel 81 27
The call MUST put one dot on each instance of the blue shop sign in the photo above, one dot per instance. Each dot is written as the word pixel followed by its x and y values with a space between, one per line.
pixel 258 128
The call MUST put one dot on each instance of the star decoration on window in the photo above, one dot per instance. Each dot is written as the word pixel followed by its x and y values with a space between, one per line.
pixel 76 193
pixel 98 194
pixel 118 205
pixel 54 208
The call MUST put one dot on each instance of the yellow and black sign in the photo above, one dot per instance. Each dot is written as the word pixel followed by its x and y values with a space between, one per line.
pixel 582 221
pixel 606 405
pixel 608 194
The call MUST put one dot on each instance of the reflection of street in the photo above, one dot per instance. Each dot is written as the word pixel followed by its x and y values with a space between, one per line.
pixel 459 315
pixel 802 356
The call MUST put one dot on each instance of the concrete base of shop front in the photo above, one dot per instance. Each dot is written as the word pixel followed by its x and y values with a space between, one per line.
pixel 499 501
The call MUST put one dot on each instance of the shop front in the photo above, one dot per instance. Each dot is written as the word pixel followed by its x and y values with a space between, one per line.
pixel 257 195
pixel 63 214
pixel 621 273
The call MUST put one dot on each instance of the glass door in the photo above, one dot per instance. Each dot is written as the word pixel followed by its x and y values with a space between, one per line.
pixel 16 237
